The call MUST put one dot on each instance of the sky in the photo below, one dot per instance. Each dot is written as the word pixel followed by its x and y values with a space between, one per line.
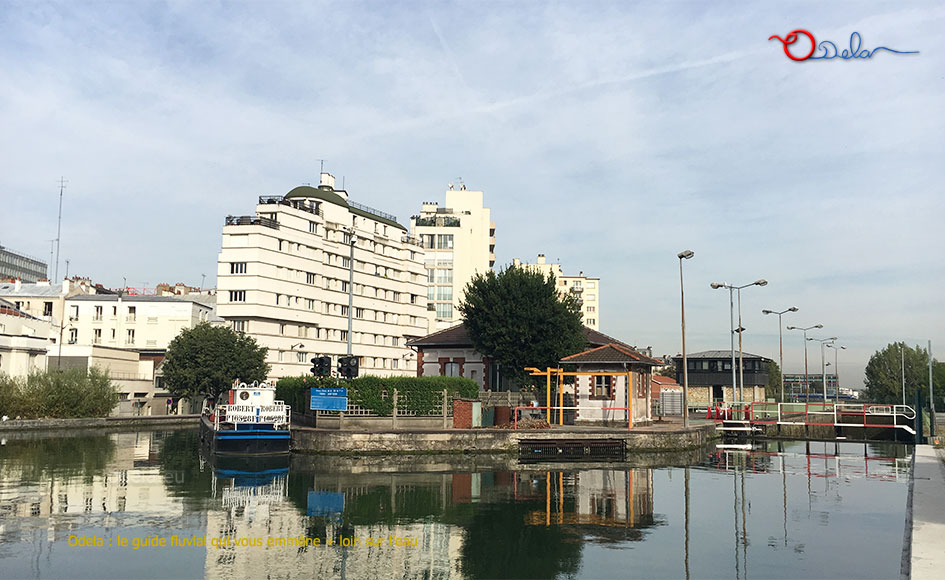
pixel 609 136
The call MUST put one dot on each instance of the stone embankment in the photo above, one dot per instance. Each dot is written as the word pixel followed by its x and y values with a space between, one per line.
pixel 143 422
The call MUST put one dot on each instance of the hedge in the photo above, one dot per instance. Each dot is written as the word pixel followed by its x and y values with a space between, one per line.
pixel 68 394
pixel 421 395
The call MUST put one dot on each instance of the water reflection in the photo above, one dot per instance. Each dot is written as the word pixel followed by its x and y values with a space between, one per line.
pixel 778 509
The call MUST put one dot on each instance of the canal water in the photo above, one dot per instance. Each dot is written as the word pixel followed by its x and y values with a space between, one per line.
pixel 149 505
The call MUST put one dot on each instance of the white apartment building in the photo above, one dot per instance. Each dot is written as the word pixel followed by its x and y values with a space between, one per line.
pixel 459 240
pixel 585 289
pixel 141 323
pixel 283 277
pixel 44 300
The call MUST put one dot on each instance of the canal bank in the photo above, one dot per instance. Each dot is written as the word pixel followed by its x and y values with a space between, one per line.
pixel 143 422
pixel 924 557
pixel 659 437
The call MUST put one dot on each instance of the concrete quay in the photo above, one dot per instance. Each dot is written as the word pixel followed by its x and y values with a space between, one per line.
pixel 658 437
pixel 924 545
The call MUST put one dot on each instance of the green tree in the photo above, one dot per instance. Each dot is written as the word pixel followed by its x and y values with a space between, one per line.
pixel 205 360
pixel 885 370
pixel 773 388
pixel 517 319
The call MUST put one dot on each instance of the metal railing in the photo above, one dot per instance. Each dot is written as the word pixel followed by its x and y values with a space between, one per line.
pixel 371 210
pixel 251 220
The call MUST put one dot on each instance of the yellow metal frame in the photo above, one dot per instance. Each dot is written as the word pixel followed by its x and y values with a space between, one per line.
pixel 561 373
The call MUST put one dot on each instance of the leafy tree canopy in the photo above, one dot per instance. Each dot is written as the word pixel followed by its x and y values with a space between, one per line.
pixel 205 360
pixel 669 370
pixel 885 370
pixel 517 319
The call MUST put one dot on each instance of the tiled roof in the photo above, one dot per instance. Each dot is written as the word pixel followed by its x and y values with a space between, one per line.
pixel 458 336
pixel 611 353
pixel 665 381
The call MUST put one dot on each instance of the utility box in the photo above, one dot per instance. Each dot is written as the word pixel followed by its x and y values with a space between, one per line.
pixel 671 402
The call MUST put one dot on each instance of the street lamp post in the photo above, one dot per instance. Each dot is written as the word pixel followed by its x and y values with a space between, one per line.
pixel 836 366
pixel 741 359
pixel 685 367
pixel 823 368
pixel 806 377
pixel 781 343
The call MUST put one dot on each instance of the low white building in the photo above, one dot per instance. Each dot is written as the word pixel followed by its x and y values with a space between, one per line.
pixel 23 341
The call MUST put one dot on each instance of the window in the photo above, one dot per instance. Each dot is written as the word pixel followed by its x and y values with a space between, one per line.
pixel 239 325
pixel 113 334
pixel 114 311
pixel 444 276
pixel 237 267
pixel 343 335
pixel 310 304
pixel 130 336
pixel 444 292
pixel 344 309
pixel 444 311
pixel 430 275
pixel 312 227
pixel 359 313
pixel 591 284
pixel 395 363
pixel 395 341
pixel 427 241
pixel 97 336
pixel 282 330
pixel 444 241
pixel 451 369
pixel 73 311
pixel 47 308
pixel 592 321
pixel 278 299
pixel 280 356
pixel 591 297
pixel 591 308
pixel 309 278
pixel 603 387
pixel 345 262
pixel 237 295
pixel 98 313
pixel 73 335
pixel 132 313
pixel 431 292
pixel 301 357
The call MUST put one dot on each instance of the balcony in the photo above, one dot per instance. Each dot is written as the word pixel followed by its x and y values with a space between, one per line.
pixel 441 221
pixel 307 206
pixel 130 318
pixel 251 220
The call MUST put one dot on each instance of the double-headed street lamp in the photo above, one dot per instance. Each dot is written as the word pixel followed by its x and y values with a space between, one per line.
pixel 806 378
pixel 823 368
pixel 685 255
pixel 836 366
pixel 781 343
pixel 741 370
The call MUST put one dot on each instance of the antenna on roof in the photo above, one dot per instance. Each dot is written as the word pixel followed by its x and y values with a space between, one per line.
pixel 62 186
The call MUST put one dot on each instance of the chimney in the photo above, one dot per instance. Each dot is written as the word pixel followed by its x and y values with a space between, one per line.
pixel 16 285
pixel 541 258
pixel 65 285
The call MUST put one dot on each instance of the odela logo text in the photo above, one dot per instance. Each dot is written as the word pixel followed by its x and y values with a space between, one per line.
pixel 800 44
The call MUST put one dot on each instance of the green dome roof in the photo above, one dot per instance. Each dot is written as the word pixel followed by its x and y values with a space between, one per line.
pixel 323 193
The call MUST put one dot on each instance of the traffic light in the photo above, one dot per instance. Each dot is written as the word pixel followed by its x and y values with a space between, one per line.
pixel 321 366
pixel 348 366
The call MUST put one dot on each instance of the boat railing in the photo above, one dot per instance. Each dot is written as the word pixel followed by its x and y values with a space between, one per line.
pixel 279 415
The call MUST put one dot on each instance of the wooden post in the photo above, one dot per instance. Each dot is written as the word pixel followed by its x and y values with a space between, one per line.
pixel 560 399
pixel 444 408
pixel 629 400
pixel 393 415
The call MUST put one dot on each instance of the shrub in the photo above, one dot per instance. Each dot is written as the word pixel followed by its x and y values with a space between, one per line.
pixel 58 394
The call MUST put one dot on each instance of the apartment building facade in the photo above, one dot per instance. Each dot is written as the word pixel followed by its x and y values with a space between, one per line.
pixel 586 289
pixel 15 264
pixel 459 240
pixel 284 275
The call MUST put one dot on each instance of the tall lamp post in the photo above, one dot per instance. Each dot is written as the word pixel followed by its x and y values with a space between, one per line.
pixel 836 366
pixel 741 360
pixel 823 368
pixel 685 255
pixel 781 343
pixel 806 377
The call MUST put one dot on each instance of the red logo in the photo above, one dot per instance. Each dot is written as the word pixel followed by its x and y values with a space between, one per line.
pixel 792 38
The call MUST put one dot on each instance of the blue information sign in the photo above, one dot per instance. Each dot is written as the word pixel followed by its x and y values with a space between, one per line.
pixel 325 503
pixel 339 392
